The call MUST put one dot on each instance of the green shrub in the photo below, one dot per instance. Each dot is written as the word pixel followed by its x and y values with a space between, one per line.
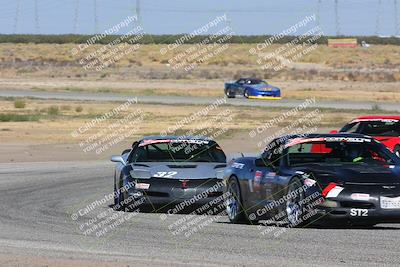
pixel 78 109
pixel 53 110
pixel 65 107
pixel 19 103
pixel 8 117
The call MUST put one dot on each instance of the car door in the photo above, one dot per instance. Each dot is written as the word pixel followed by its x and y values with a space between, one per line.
pixel 239 86
pixel 261 179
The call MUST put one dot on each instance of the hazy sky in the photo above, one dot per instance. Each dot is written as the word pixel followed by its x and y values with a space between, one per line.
pixel 355 17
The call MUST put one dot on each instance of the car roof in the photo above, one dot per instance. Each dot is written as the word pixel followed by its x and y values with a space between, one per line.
pixel 251 79
pixel 377 117
pixel 175 137
pixel 286 138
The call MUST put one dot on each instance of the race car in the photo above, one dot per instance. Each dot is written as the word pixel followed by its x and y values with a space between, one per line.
pixel 173 174
pixel 252 89
pixel 336 179
pixel 385 129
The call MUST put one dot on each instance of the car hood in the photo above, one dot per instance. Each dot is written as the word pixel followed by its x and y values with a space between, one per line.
pixel 178 170
pixel 354 174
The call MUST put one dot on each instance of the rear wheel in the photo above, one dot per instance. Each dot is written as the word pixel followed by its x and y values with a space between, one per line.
pixel 234 206
pixel 246 93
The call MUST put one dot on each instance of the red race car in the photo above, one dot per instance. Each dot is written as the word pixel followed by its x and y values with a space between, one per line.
pixel 385 129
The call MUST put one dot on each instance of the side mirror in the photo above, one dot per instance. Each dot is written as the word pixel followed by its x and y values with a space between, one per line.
pixel 333 132
pixel 126 151
pixel 118 159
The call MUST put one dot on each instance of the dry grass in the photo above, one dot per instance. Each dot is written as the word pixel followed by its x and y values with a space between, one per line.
pixel 57 128
pixel 237 54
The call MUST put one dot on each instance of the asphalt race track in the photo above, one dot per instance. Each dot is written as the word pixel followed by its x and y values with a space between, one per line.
pixel 38 199
pixel 198 100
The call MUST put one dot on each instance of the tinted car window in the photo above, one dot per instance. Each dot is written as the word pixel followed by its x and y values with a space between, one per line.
pixel 351 127
pixel 179 152
pixel 380 128
pixel 339 152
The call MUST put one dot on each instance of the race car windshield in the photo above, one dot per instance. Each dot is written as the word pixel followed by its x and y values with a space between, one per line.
pixel 180 152
pixel 331 153
pixel 381 128
pixel 255 82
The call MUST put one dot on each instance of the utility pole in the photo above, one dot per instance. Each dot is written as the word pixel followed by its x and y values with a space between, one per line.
pixel 76 16
pixel 319 13
pixel 36 17
pixel 378 18
pixel 337 18
pixel 96 21
pixel 139 17
pixel 16 18
pixel 396 19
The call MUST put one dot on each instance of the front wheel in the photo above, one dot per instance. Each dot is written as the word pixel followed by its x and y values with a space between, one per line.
pixel 118 196
pixel 295 204
pixel 397 151
pixel 234 206
pixel 229 94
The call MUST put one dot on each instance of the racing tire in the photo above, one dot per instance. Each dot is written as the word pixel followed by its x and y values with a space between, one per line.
pixel 397 151
pixel 118 199
pixel 294 207
pixel 246 93
pixel 234 206
pixel 229 94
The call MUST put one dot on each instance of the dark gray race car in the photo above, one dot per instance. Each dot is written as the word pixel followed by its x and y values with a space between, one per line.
pixel 173 174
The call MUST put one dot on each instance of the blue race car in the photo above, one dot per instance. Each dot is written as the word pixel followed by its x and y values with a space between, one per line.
pixel 253 89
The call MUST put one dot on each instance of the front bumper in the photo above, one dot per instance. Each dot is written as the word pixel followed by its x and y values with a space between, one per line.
pixel 265 97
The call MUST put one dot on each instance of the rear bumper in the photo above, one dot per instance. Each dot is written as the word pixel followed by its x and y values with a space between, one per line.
pixel 183 204
pixel 356 216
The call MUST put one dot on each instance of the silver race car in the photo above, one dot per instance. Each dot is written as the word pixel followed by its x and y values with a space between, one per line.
pixel 170 174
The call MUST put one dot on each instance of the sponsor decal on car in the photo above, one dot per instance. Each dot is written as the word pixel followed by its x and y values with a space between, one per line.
pixel 257 180
pixel 142 186
pixel 390 203
pixel 237 165
pixel 360 196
